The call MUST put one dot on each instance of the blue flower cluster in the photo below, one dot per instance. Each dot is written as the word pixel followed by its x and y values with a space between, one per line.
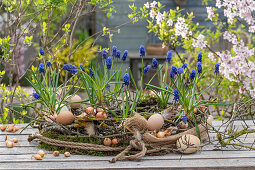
pixel 142 51
pixel 104 55
pixel 125 54
pixel 169 56
pixel 217 68
pixel 199 67
pixel 114 51
pixel 176 94
pixel 70 68
pixel 154 63
pixel 41 68
pixel 173 71
pixel 180 70
pixel 185 119
pixel 118 54
pixel 48 64
pixel 91 72
pixel 185 65
pixel 41 51
pixel 109 63
pixel 36 96
pixel 146 69
pixel 81 67
pixel 126 79
pixel 199 57
pixel 192 74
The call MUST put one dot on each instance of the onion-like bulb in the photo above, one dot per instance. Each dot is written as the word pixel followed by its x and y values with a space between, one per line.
pixel 161 134
pixel 37 157
pixel 41 153
pixel 56 153
pixel 107 141
pixel 67 154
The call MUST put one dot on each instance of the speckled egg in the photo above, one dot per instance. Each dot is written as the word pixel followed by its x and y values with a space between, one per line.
pixel 65 118
pixel 75 98
pixel 188 143
pixel 155 122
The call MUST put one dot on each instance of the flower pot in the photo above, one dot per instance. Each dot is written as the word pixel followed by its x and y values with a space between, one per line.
pixel 156 49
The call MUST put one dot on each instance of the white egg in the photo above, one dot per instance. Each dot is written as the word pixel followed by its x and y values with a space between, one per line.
pixel 155 122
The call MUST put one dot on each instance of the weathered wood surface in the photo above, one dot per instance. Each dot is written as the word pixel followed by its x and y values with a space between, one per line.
pixel 210 156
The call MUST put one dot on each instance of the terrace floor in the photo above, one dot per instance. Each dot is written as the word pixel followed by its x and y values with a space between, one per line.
pixel 209 157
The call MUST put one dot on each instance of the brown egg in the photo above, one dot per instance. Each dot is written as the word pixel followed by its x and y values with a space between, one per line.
pixel 188 143
pixel 75 98
pixel 65 118
pixel 156 121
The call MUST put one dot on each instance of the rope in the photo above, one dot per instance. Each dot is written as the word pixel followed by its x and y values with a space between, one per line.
pixel 137 144
pixel 75 145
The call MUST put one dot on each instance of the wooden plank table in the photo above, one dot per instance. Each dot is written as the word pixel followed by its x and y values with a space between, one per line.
pixel 210 156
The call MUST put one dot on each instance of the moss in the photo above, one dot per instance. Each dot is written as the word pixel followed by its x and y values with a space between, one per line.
pixel 92 140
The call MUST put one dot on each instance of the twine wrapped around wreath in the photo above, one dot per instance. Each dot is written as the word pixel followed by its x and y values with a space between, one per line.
pixel 139 145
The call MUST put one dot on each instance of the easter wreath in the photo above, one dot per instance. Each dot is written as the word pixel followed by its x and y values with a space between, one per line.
pixel 118 112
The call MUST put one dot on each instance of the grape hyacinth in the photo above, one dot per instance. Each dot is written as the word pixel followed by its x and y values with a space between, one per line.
pixel 109 63
pixel 48 64
pixel 118 54
pixel 104 55
pixel 176 95
pixel 126 79
pixel 174 69
pixel 146 69
pixel 185 65
pixel 41 51
pixel 114 51
pixel 199 57
pixel 180 70
pixel 192 74
pixel 41 68
pixel 142 51
pixel 70 68
pixel 81 67
pixel 172 74
pixel 185 119
pixel 217 67
pixel 36 96
pixel 199 67
pixel 91 72
pixel 124 57
pixel 169 56
pixel 154 63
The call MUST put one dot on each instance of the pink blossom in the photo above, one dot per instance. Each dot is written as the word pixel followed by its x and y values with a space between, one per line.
pixel 169 22
pixel 159 18
pixel 181 28
pixel 147 5
pixel 153 4
pixel 152 14
pixel 210 13
pixel 252 28
pixel 199 43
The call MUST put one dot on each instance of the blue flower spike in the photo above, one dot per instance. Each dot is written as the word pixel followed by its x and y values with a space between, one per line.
pixel 180 70
pixel 169 56
pixel 217 69
pixel 199 57
pixel 172 74
pixel 126 79
pixel 81 67
pixel 192 74
pixel 118 54
pixel 48 64
pixel 36 96
pixel 142 51
pixel 70 68
pixel 104 55
pixel 199 67
pixel 125 54
pixel 91 72
pixel 176 95
pixel 114 51
pixel 41 51
pixel 41 68
pixel 154 63
pixel 185 65
pixel 185 119
pixel 146 69
pixel 109 63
